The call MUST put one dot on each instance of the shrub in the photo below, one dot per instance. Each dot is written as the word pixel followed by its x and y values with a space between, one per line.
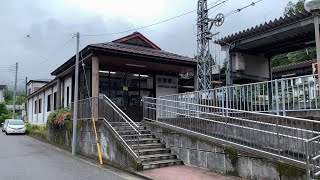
pixel 4 113
pixel 35 129
pixel 58 117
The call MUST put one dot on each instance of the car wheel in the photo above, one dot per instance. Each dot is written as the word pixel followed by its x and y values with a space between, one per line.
pixel 6 133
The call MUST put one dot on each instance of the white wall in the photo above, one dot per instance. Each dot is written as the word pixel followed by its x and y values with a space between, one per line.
pixel 167 85
pixel 40 118
pixel 67 83
pixel 34 86
pixel 1 95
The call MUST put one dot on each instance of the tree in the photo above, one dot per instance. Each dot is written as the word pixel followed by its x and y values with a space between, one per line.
pixel 4 113
pixel 8 96
pixel 293 8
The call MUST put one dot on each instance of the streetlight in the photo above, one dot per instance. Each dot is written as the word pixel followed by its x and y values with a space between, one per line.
pixel 313 6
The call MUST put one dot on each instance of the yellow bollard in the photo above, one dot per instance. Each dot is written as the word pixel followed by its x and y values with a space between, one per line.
pixel 97 141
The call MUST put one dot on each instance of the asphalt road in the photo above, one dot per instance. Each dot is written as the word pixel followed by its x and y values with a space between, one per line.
pixel 22 157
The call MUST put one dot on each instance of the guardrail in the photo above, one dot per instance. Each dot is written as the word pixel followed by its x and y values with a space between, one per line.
pixel 279 137
pixel 276 96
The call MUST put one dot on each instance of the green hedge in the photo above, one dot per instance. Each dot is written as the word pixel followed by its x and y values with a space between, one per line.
pixel 38 130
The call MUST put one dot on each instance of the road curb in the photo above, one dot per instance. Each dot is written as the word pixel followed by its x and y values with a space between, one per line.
pixel 89 160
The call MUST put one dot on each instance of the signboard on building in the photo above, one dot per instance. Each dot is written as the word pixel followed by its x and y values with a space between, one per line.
pixel 315 69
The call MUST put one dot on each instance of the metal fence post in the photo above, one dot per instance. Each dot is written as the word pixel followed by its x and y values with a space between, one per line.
pixel 283 99
pixel 307 160
pixel 277 97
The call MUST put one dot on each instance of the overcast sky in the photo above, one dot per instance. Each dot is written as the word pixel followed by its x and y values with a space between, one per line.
pixel 51 23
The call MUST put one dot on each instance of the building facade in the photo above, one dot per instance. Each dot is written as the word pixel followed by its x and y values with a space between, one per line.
pixel 125 70
pixel 3 89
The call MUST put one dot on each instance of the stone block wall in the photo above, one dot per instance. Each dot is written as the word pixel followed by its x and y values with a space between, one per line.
pixel 113 150
pixel 200 152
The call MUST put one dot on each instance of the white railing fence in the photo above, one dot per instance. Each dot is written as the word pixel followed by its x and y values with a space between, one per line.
pixel 276 96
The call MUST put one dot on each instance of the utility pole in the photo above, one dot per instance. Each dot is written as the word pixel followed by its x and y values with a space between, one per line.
pixel 15 93
pixel 313 6
pixel 75 102
pixel 26 101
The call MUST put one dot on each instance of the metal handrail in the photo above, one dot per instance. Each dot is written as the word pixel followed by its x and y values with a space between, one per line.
pixel 310 162
pixel 122 114
pixel 237 110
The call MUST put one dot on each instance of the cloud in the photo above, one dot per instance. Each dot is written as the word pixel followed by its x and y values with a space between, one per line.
pixel 50 23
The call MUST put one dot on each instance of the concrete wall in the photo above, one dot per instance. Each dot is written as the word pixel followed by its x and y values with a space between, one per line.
pixel 198 151
pixel 112 148
pixel 166 85
pixel 254 65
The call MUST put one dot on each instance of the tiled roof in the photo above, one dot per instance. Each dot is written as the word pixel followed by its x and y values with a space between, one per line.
pixel 127 48
pixel 293 66
pixel 282 21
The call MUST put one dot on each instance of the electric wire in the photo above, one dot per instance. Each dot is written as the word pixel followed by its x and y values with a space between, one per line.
pixel 240 9
pixel 156 23
pixel 58 51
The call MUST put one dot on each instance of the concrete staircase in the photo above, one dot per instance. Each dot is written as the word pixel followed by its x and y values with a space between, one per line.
pixel 152 153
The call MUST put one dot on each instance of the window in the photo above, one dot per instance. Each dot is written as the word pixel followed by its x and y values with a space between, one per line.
pixel 29 91
pixel 15 122
pixel 40 105
pixel 35 106
pixel 49 103
pixel 55 101
pixel 68 96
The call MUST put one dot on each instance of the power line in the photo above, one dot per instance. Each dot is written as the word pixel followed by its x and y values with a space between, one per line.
pixel 240 9
pixel 153 24
pixel 58 51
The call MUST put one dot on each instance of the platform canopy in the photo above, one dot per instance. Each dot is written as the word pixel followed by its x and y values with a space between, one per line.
pixel 282 35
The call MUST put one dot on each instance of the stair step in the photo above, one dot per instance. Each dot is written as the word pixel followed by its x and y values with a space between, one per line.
pixel 145 146
pixel 124 123
pixel 142 141
pixel 162 163
pixel 151 151
pixel 131 132
pixel 157 157
pixel 317 174
pixel 123 128
pixel 316 157
pixel 135 136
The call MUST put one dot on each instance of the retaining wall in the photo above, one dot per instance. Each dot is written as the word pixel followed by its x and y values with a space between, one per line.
pixel 112 149
pixel 198 151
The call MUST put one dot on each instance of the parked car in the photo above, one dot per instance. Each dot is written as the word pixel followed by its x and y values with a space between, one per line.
pixel 4 124
pixel 14 126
